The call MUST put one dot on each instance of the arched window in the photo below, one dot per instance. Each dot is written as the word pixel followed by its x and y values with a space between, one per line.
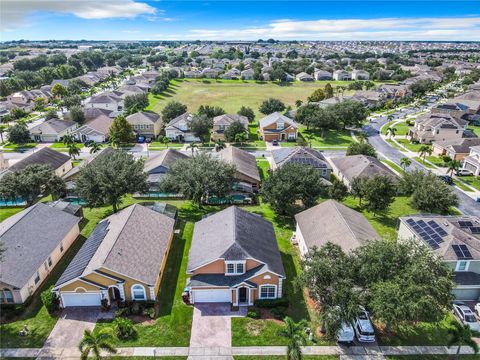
pixel 138 292
pixel 7 296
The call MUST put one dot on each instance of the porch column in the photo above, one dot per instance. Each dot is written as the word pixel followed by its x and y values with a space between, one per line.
pixel 105 295
pixel 250 296
pixel 280 288
pixel 236 296
pixel 152 292
pixel 122 290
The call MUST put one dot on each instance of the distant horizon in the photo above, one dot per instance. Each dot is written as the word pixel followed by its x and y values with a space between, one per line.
pixel 151 20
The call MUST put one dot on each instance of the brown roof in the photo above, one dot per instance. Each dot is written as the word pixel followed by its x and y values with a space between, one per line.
pixel 244 162
pixel 44 156
pixel 361 165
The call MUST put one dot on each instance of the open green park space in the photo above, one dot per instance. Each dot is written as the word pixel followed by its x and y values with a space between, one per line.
pixel 231 95
pixel 401 128
pixel 332 139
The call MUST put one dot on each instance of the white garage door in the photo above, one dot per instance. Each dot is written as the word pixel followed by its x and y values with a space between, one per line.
pixel 82 299
pixel 217 295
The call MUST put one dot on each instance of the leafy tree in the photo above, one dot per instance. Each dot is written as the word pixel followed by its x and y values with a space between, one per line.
pixel 51 114
pixel 107 179
pixel 50 300
pixel 338 191
pixel 359 188
pixel 235 128
pixel 210 111
pixel 77 114
pixel 121 130
pixel 431 194
pixel 290 183
pixel 328 91
pixel 59 90
pixel 295 335
pixel 172 110
pixel 424 150
pixel 361 148
pixel 40 104
pixel 461 335
pixel 56 187
pixel 362 136
pixel 307 115
pixel 29 183
pixel 317 95
pixel 405 162
pixel 135 103
pixel 240 137
pixel 298 103
pixel 380 193
pixel 270 106
pixel 421 87
pixel 93 344
pixel 199 177
pixel 18 133
pixel 165 140
pixel 247 112
pixel 219 145
pixel 350 113
pixel 73 100
pixel 200 126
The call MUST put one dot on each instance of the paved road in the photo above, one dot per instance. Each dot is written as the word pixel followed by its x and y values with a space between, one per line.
pixel 466 205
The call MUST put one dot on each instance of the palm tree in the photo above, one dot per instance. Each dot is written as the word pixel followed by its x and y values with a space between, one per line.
pixel 295 334
pixel 68 140
pixel 219 145
pixel 391 132
pixel 193 146
pixel 452 165
pixel 114 141
pixel 424 151
pixel 95 147
pixel 2 129
pixel 165 140
pixel 95 343
pixel 460 335
pixel 405 162
pixel 240 137
pixel 73 150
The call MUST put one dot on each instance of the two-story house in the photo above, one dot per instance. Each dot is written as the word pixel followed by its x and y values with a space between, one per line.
pixel 437 127
pixel 234 258
pixel 456 239
pixel 52 130
pixel 301 155
pixel 107 101
pixel 472 161
pixel 360 75
pixel 178 129
pixel 278 127
pixel 222 122
pixel 146 124
pixel 341 75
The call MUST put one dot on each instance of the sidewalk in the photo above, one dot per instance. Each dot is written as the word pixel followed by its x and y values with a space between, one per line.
pixel 360 352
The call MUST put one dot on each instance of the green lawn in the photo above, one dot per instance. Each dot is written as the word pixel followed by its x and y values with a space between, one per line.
pixel 424 163
pixel 402 128
pixel 431 357
pixel 331 139
pixel 62 146
pixel 393 166
pixel 16 147
pixel 385 224
pixel 472 181
pixel 231 95
pixel 9 211
pixel 36 317
pixel 157 145
pixel 436 160
pixel 278 357
pixel 410 146
pixel 475 129
pixel 419 334
pixel 263 167
pixel 461 185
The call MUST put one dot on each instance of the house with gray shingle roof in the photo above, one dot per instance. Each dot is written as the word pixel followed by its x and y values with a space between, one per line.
pixel 123 259
pixel 157 166
pixel 247 175
pixel 145 123
pixel 59 162
pixel 302 155
pixel 52 130
pixel 277 126
pixel 234 258
pixel 178 129
pixel 35 240
pixel 332 222
pixel 349 167
pixel 222 122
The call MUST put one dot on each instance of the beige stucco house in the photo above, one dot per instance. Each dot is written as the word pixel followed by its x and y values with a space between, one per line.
pixel 59 162
pixel 437 127
pixel 278 127
pixel 145 123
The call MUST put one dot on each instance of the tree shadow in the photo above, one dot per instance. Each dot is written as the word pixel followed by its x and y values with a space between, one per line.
pixel 298 307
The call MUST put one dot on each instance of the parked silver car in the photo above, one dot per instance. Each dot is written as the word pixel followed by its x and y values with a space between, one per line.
pixel 466 316
pixel 363 327
pixel 346 334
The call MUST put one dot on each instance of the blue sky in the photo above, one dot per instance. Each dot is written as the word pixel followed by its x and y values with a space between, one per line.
pixel 239 20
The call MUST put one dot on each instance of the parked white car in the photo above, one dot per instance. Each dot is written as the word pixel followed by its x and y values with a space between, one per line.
pixel 346 334
pixel 477 309
pixel 466 316
pixel 363 327
pixel 464 172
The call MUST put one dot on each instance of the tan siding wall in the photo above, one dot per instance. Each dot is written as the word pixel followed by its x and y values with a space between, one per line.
pixel 128 284
pixel 64 168
pixel 78 284
pixel 216 267
pixel 162 268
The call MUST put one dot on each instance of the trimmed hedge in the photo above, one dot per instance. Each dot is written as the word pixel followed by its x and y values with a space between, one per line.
pixel 272 303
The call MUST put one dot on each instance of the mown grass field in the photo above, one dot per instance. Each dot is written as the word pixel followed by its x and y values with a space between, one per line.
pixel 231 95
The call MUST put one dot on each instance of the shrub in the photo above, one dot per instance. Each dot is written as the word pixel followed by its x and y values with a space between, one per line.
pixel 50 300
pixel 272 303
pixel 123 312
pixel 149 304
pixel 254 313
pixel 279 312
pixel 124 328
pixel 149 312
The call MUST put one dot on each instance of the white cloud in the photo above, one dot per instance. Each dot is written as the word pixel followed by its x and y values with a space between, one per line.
pixel 14 12
pixel 457 28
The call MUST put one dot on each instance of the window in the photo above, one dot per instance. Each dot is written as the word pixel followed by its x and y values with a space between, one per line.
pixel 280 125
pixel 6 296
pixel 138 292
pixel 49 261
pixel 268 292
pixel 462 265
pixel 235 267
pixel 37 278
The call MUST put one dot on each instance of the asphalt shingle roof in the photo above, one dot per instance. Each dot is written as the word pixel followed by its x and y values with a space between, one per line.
pixel 361 166
pixel 29 237
pixel 234 234
pixel 300 155
pixel 44 156
pixel 161 163
pixel 244 162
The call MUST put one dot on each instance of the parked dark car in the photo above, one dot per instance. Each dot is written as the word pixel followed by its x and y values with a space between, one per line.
pixel 446 179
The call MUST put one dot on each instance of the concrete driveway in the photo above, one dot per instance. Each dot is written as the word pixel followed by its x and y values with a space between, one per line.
pixel 211 327
pixel 68 330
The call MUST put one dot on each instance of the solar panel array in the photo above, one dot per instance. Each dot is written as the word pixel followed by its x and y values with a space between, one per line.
pixel 468 224
pixel 462 252
pixel 309 161
pixel 430 232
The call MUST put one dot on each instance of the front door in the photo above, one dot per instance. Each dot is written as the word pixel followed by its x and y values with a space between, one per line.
pixel 114 293
pixel 243 295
